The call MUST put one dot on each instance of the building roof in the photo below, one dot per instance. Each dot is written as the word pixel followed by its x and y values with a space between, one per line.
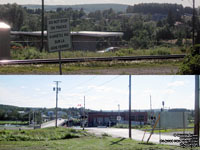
pixel 81 33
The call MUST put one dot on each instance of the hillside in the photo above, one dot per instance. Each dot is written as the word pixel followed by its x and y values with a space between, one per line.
pixel 87 7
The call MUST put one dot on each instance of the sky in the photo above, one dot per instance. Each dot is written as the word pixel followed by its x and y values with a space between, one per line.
pixel 74 2
pixel 102 92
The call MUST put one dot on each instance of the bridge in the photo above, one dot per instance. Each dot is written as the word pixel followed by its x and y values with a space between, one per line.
pixel 60 122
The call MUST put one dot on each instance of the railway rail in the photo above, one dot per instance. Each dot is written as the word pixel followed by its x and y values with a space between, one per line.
pixel 89 59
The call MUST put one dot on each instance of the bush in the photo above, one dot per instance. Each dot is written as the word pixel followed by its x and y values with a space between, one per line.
pixel 191 63
pixel 27 53
pixel 15 46
pixel 39 134
pixel 105 135
pixel 160 52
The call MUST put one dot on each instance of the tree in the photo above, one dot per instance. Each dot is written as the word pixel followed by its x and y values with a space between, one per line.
pixel 191 63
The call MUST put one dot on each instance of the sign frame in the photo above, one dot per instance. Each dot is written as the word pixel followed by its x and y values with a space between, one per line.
pixel 58 34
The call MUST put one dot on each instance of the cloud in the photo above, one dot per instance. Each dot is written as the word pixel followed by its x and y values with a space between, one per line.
pixel 148 91
pixel 176 84
pixel 37 89
pixel 64 2
pixel 168 91
pixel 23 87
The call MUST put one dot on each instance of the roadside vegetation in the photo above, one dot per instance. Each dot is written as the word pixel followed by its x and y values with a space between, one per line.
pixel 148 128
pixel 113 67
pixel 62 139
pixel 191 63
pixel 40 134
pixel 21 53
pixel 14 122
pixel 142 127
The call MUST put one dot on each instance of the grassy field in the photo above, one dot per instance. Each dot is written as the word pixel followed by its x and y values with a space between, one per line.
pixel 149 128
pixel 173 130
pixel 14 122
pixel 39 134
pixel 33 53
pixel 152 67
pixel 44 139
pixel 114 67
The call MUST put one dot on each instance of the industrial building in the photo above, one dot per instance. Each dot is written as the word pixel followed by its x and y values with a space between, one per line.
pixel 109 118
pixel 81 40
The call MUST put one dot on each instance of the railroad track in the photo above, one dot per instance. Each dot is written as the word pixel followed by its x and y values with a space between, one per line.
pixel 88 59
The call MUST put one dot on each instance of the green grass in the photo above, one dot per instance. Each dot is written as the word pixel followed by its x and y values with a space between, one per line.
pixel 39 134
pixel 91 67
pixel 14 122
pixel 172 130
pixel 33 53
pixel 148 127
pixel 56 139
pixel 84 143
pixel 142 127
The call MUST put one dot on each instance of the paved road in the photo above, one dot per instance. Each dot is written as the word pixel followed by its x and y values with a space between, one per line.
pixel 52 123
pixel 136 134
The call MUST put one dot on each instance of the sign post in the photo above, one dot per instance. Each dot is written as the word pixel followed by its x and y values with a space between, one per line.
pixel 58 35
pixel 60 63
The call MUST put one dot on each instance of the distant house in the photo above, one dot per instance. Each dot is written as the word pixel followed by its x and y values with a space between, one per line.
pixel 51 115
pixel 178 24
pixel 61 114
pixel 21 112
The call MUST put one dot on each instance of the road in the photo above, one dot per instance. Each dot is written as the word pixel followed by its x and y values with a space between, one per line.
pixel 52 123
pixel 136 134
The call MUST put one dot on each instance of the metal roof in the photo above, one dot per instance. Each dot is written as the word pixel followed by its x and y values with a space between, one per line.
pixel 81 33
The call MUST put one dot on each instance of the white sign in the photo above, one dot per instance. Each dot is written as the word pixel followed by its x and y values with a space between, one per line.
pixel 58 31
pixel 118 118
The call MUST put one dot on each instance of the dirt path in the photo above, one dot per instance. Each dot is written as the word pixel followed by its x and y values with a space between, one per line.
pixel 134 71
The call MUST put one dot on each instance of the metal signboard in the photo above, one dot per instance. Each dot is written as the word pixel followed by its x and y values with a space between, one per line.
pixel 118 118
pixel 58 31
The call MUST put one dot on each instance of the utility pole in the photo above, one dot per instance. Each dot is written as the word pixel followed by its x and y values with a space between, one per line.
pixel 193 25
pixel 33 119
pixel 196 119
pixel 150 105
pixel 42 27
pixel 119 109
pixel 129 118
pixel 151 113
pixel 29 118
pixel 57 89
pixel 84 115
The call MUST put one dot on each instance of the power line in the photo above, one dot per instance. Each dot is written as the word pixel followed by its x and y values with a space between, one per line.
pixel 103 83
pixel 81 83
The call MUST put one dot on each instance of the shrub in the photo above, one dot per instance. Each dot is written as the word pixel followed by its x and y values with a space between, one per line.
pixel 160 52
pixel 27 53
pixel 191 63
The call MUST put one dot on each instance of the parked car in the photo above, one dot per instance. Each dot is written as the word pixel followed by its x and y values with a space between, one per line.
pixel 109 49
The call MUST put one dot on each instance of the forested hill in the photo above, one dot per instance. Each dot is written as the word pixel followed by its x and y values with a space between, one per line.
pixel 86 7
pixel 156 8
